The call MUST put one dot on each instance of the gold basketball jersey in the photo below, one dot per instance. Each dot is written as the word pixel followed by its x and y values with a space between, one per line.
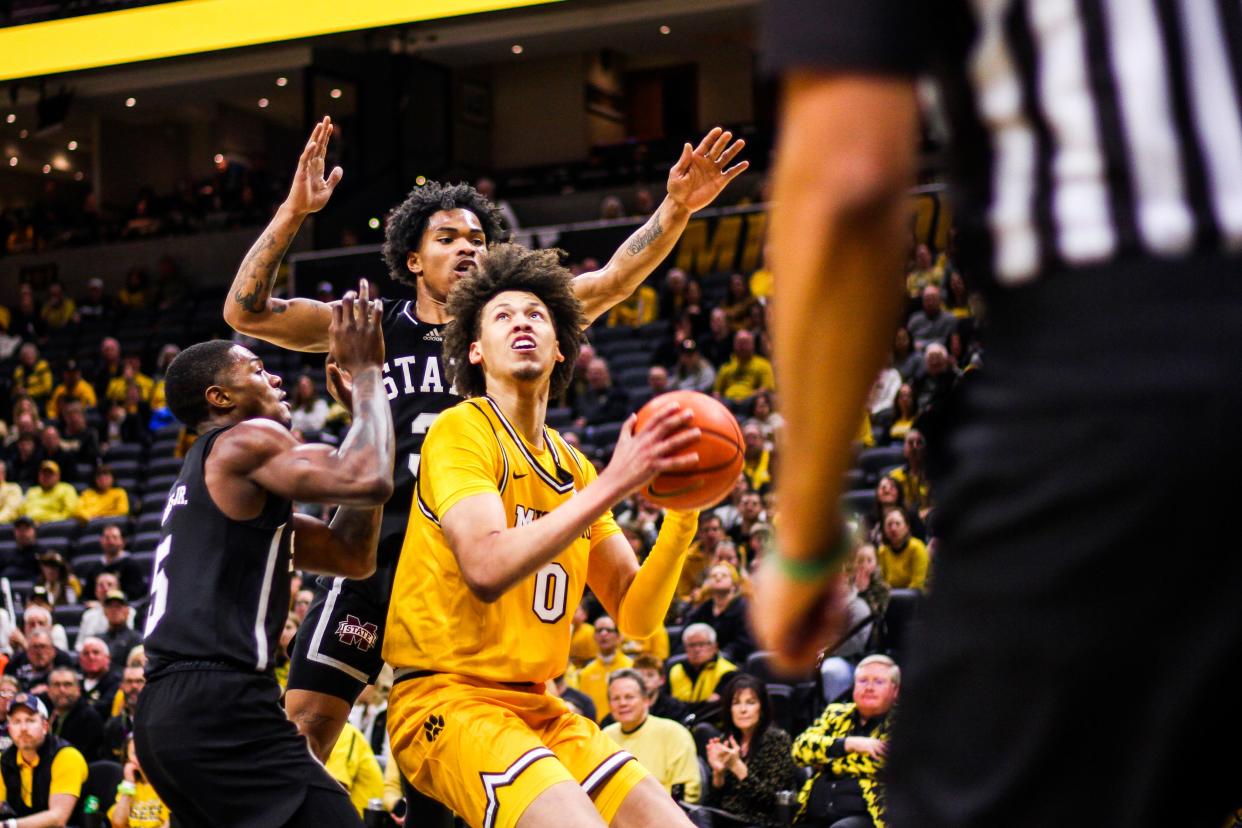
pixel 434 621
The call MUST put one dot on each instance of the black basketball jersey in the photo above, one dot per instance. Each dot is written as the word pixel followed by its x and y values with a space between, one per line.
pixel 417 391
pixel 220 587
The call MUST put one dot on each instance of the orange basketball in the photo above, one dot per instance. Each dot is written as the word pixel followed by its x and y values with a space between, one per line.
pixel 720 451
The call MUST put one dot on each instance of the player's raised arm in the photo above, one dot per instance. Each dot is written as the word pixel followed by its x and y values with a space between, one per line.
pixel 493 556
pixel 298 324
pixel 695 180
pixel 359 472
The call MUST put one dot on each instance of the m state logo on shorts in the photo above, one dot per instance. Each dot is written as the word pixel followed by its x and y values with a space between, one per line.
pixel 353 632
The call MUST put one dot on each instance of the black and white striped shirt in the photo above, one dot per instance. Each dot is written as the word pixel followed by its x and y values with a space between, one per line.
pixel 1084 131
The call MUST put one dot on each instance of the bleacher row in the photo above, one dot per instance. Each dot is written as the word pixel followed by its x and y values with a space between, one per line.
pixel 145 473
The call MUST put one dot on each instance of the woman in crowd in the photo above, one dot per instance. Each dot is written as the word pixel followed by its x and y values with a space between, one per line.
pixel 751 760
pixel 310 411
pixel 902 557
pixel 956 297
pixel 872 588
pixel 888 496
pixel 738 302
pixel 905 412
pixel 725 612
pixel 137 804
pixel 103 498
pixel 769 420
pixel 61 585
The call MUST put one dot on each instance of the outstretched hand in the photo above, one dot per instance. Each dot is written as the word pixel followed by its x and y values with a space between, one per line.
pixel 702 172
pixel 310 190
pixel 356 336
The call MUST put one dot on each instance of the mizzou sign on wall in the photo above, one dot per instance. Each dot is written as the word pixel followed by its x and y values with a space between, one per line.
pixel 724 240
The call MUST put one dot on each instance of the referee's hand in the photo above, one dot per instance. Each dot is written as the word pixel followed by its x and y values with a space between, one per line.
pixel 796 620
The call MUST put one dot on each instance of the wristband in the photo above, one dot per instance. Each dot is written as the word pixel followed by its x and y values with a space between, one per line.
pixel 126 788
pixel 814 569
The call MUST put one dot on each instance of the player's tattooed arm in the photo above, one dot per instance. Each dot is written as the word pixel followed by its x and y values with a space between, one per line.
pixel 694 182
pixel 299 324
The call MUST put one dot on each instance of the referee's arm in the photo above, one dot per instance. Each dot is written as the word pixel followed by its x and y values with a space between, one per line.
pixel 845 162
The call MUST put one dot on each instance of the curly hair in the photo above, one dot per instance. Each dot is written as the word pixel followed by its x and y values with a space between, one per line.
pixel 403 230
pixel 512 267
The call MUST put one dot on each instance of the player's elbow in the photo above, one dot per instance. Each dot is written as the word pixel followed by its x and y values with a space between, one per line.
pixel 485 589
pixel 357 569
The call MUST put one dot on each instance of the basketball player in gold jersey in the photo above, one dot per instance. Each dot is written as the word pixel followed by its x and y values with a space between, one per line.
pixel 508 527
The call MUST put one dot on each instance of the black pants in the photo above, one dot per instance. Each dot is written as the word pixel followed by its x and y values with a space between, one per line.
pixel 216 746
pixel 1079 658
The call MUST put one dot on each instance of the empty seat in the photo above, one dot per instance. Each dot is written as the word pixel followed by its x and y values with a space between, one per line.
pixel 603 435
pixel 154 502
pixel 874 460
pixel 162 448
pixel 123 451
pixel 859 501
pixel 125 468
pixel 158 466
pixel 145 542
pixel 58 529
pixel 150 522
pixel 68 614
pixel 899 619
pixel 160 483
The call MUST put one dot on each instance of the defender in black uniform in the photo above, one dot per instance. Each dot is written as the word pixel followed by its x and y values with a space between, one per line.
pixel 210 731
pixel 438 234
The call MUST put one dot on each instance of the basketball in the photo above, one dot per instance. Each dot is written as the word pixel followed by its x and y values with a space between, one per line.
pixel 720 450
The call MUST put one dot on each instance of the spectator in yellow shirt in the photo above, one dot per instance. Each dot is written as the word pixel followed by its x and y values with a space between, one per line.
pixel 746 373
pixel 34 746
pixel 582 639
pixel 103 499
pixel 137 804
pixel 593 678
pixel 32 376
pixel 354 765
pixel 50 499
pixel 59 310
pixel 639 308
pixel 10 496
pixel 903 558
pixel 131 374
pixel 72 387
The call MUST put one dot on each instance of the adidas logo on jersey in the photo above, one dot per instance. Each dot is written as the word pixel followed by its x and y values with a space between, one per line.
pixel 433 335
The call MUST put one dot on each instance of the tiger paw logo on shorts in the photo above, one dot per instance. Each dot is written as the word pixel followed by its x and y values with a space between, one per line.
pixel 433 726
pixel 353 632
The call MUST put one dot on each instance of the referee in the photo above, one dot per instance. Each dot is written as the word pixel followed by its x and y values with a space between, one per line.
pixel 1063 674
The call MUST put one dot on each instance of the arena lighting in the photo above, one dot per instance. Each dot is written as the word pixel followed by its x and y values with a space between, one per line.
pixel 373 224
pixel 23 133
pixel 282 81
pixel 131 102
pixel 47 168
pixel 12 160
pixel 516 48
pixel 10 118
pixel 72 145
pixel 263 102
pixel 192 26
pixel 421 180
pixel 218 158
pixel 335 93
pixel 79 175
pixel 665 30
